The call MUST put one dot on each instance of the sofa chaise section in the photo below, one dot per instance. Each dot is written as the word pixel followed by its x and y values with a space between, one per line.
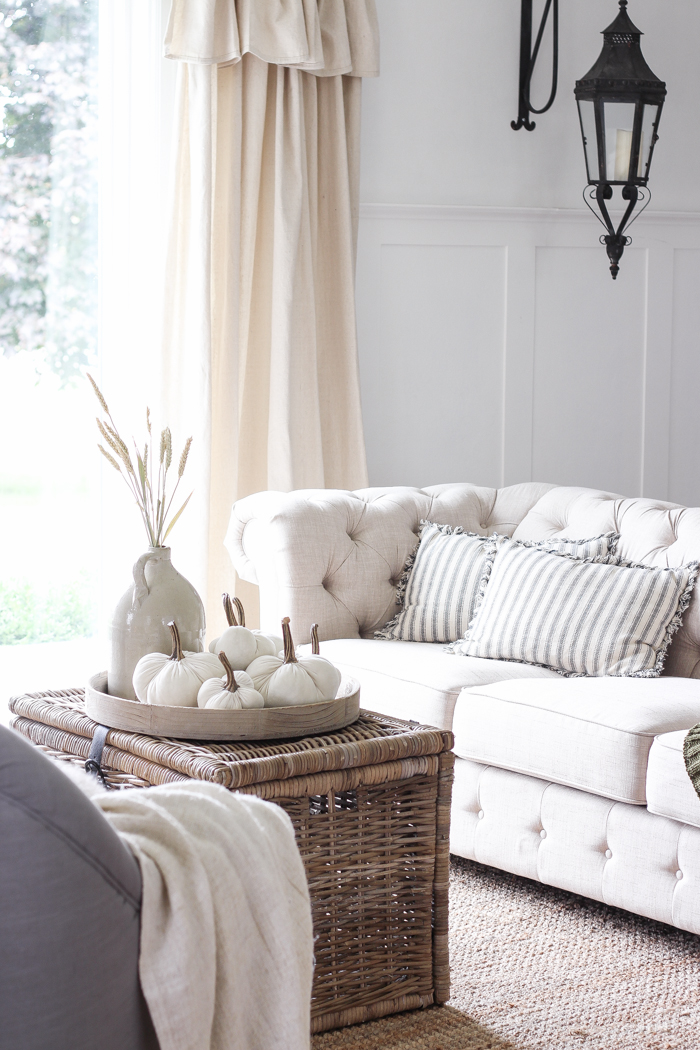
pixel 554 784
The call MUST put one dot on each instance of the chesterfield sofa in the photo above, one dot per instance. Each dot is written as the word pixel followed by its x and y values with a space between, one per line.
pixel 579 783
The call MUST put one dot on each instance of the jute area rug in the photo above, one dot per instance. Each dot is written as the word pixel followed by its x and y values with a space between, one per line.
pixel 534 968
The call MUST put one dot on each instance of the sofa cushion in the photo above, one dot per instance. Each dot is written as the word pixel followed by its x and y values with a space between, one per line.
pixel 589 733
pixel 416 680
pixel 670 792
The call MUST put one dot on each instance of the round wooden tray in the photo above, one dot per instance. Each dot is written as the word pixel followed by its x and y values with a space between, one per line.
pixel 196 723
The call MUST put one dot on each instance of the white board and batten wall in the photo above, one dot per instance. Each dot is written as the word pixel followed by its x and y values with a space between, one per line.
pixel 494 345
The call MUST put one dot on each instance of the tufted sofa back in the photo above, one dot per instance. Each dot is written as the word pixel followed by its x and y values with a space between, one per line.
pixel 334 557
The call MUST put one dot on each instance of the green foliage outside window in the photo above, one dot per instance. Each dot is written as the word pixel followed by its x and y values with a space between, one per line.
pixel 48 184
pixel 31 614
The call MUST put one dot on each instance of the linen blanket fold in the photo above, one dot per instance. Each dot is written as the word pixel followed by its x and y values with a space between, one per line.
pixel 226 955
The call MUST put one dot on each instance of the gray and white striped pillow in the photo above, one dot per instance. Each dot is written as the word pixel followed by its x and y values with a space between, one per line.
pixel 445 578
pixel 440 585
pixel 579 617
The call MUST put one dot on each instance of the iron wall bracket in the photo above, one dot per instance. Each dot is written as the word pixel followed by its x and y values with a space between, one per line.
pixel 528 60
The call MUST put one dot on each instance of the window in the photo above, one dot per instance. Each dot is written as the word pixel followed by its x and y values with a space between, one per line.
pixel 85 170
pixel 49 479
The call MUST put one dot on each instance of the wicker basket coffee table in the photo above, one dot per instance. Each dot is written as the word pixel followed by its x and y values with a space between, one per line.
pixel 370 806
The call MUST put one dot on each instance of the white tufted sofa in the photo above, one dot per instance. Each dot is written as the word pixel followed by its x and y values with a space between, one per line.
pixel 578 783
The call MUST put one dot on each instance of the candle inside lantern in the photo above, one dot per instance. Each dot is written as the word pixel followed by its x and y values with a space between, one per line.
pixel 620 160
pixel 623 149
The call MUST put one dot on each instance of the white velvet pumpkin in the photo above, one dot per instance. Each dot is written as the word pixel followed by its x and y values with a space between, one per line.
pixel 231 693
pixel 173 680
pixel 287 680
pixel 265 645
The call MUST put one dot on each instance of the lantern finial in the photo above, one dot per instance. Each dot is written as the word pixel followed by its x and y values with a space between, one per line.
pixel 623 24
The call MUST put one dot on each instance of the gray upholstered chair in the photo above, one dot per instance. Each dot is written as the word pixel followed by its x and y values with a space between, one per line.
pixel 69 916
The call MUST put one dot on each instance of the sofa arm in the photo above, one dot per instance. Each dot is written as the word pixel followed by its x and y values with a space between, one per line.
pixel 70 893
pixel 334 557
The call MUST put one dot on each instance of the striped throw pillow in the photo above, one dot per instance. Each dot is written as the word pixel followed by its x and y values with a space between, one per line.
pixel 445 578
pixel 578 617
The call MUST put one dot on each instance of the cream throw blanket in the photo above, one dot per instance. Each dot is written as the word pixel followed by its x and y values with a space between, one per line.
pixel 226 957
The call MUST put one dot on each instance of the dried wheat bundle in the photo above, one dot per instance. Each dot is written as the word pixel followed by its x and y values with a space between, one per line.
pixel 151 497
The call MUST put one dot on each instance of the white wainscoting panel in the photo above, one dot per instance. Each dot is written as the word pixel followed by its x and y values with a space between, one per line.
pixel 495 348
pixel 441 323
pixel 588 376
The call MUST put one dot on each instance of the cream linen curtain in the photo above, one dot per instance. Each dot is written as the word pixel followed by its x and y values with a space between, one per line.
pixel 260 343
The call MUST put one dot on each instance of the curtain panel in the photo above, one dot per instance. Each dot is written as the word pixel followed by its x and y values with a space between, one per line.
pixel 260 341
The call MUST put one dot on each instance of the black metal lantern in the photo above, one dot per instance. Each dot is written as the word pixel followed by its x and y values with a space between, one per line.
pixel 619 103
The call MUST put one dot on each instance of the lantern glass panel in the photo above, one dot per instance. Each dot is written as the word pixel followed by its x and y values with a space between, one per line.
pixel 619 125
pixel 649 119
pixel 586 109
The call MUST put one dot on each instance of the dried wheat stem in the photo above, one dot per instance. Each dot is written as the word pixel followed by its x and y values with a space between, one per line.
pixel 107 436
pixel 109 458
pixel 98 394
pixel 168 448
pixel 183 457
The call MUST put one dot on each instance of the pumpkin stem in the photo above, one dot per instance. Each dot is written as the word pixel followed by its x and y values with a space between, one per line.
pixel 177 653
pixel 315 647
pixel 231 684
pixel 289 654
pixel 228 609
pixel 239 609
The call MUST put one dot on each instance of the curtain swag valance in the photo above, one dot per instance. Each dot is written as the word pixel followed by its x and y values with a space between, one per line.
pixel 323 37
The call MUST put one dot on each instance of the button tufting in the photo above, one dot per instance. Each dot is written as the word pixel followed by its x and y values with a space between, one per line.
pixel 480 814
pixel 679 874
pixel 608 853
pixel 543 834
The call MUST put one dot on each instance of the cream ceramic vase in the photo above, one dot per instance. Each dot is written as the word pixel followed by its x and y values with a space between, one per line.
pixel 139 625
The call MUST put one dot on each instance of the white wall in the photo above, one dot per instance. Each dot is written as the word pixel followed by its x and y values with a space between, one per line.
pixel 494 346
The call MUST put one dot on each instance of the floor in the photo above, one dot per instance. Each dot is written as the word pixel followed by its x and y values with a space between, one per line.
pixel 536 968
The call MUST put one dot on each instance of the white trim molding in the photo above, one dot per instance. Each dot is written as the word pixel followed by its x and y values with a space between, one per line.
pixel 470 213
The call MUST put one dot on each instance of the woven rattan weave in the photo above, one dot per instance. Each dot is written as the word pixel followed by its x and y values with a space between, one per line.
pixel 370 806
